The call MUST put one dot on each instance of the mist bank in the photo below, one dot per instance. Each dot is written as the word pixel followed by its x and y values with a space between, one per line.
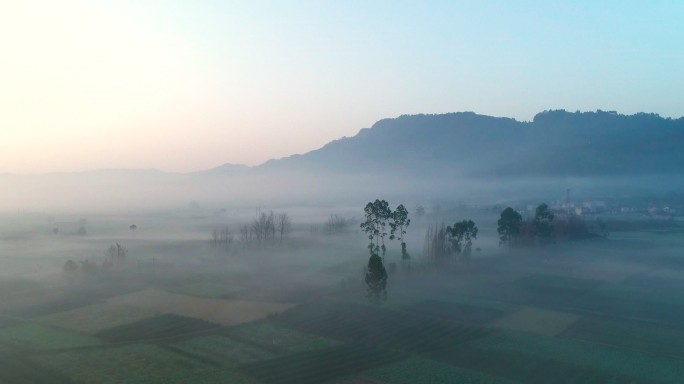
pixel 133 191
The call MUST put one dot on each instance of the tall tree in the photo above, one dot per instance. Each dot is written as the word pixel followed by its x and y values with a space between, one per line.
pixel 371 226
pixel 508 226
pixel 399 223
pixel 461 236
pixel 384 214
pixel 543 223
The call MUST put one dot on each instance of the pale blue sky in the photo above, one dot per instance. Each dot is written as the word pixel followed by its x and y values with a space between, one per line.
pixel 187 85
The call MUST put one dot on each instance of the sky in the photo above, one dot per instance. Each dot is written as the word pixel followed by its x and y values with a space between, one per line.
pixel 189 85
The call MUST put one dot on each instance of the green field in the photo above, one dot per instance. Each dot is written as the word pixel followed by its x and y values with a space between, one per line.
pixel 38 337
pixel 157 327
pixel 274 336
pixel 417 370
pixel 596 311
pixel 221 350
pixel 137 364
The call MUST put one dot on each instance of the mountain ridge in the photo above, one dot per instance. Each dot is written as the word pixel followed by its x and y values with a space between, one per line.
pixel 555 142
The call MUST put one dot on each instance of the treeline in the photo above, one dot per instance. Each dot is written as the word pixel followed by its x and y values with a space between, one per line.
pixel 334 225
pixel 115 257
pixel 545 227
pixel 265 228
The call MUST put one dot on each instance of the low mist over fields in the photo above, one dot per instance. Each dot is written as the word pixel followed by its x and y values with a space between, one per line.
pixel 535 252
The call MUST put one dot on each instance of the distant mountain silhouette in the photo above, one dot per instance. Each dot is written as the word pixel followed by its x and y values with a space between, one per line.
pixel 555 143
pixel 411 158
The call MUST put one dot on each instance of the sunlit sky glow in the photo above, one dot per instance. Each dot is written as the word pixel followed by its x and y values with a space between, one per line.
pixel 190 85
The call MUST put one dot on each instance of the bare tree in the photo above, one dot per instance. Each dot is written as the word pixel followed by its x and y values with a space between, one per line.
pixel 436 245
pixel 336 224
pixel 284 224
pixel 222 238
pixel 263 227
pixel 246 234
pixel 116 253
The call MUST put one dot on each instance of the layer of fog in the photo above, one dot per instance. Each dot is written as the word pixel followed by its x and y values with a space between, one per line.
pixel 135 191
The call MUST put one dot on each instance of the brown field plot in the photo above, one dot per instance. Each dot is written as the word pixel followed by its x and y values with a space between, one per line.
pixel 224 312
pixel 534 320
pixel 96 317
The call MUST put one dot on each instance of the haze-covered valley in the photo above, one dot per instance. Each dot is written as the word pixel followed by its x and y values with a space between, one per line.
pixel 543 251
pixel 462 157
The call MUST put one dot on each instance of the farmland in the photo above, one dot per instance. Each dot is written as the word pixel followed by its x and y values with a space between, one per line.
pixel 225 312
pixel 585 312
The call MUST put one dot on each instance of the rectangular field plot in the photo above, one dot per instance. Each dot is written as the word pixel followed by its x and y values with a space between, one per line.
pixel 657 339
pixel 23 371
pixel 95 318
pixel 207 289
pixel 318 366
pixel 602 364
pixel 224 312
pixel 557 284
pixel 417 370
pixel 6 321
pixel 158 327
pixel 524 368
pixel 658 281
pixel 379 327
pixel 137 364
pixel 637 302
pixel 39 337
pixel 455 312
pixel 275 336
pixel 610 271
pixel 549 292
pixel 222 350
pixel 533 320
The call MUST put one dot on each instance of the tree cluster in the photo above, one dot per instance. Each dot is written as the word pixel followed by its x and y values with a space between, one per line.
pixel 545 228
pixel 222 239
pixel 336 225
pixel 447 243
pixel 266 228
pixel 379 219
pixel 115 255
